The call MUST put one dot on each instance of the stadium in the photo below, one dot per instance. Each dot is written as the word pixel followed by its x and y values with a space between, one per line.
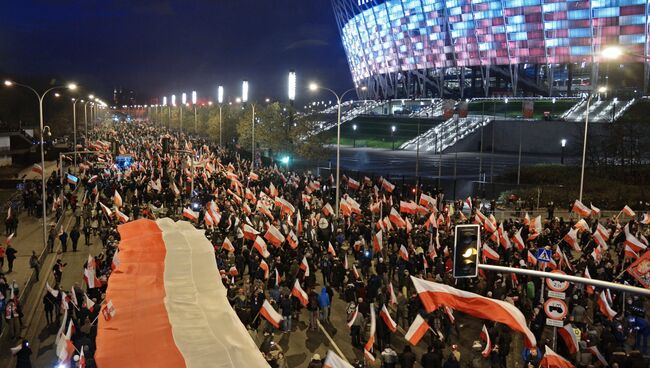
pixel 482 48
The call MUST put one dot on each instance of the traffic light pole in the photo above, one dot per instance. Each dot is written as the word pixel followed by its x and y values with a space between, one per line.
pixel 569 278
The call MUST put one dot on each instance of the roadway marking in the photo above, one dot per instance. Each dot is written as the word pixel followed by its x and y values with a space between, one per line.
pixel 336 347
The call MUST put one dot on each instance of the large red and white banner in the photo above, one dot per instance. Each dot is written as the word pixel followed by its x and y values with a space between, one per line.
pixel 434 295
pixel 179 311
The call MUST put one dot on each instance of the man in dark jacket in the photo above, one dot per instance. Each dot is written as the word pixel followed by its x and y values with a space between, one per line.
pixel 432 358
pixel 63 237
pixel 11 257
pixel 74 236
pixel 407 359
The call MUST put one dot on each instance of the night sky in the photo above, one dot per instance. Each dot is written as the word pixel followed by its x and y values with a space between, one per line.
pixel 162 47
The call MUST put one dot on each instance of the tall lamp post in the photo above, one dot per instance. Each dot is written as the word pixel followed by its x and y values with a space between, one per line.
pixel 314 87
pixel 90 98
pixel 173 104
pixel 181 107
pixel 40 98
pixel 195 117
pixel 354 135
pixel 220 101
pixel 563 142
pixel 74 127
pixel 244 99
pixel 584 144
pixel 392 135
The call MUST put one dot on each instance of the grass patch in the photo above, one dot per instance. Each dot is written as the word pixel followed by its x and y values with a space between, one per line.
pixel 368 141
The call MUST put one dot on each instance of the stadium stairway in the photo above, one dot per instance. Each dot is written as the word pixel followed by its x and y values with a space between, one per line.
pixel 600 111
pixel 443 135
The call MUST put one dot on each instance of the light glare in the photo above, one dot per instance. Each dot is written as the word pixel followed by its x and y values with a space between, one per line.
pixel 292 86
pixel 220 94
pixel 244 91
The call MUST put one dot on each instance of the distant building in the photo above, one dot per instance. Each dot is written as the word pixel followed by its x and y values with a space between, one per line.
pixel 123 97
pixel 475 48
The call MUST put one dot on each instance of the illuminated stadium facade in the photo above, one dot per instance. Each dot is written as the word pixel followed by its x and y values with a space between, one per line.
pixel 467 48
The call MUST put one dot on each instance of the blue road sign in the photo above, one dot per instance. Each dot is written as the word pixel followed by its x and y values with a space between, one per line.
pixel 543 255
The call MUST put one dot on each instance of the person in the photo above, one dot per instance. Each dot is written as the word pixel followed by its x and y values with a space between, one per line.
pixel 86 233
pixel 315 362
pixel 35 264
pixel 63 237
pixel 286 307
pixel 407 359
pixel 389 357
pixel 50 237
pixel 12 317
pixel 58 270
pixel 451 362
pixel 312 307
pixel 11 257
pixel 324 304
pixel 432 358
pixel 23 355
pixel 74 237
pixel 49 301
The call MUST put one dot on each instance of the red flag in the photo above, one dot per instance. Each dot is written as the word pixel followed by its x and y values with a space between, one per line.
pixel 604 307
pixel 227 245
pixel 628 212
pixel 403 252
pixel 274 236
pixel 304 265
pixel 580 209
pixel 485 336
pixel 571 238
pixel 377 241
pixel 190 215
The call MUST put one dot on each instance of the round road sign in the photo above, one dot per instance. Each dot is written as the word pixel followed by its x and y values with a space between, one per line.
pixel 557 285
pixel 555 308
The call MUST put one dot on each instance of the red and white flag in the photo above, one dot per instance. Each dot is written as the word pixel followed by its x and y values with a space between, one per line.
pixel 580 209
pixel 377 241
pixel 552 360
pixel 570 338
pixel 490 253
pixel 117 199
pixel 37 169
pixel 396 219
pixel 485 336
pixel 227 245
pixel 353 184
pixel 595 211
pixel 328 210
pixel 265 267
pixel 387 319
pixel 353 317
pixel 604 306
pixel 299 293
pixel 628 212
pixel 304 265
pixel 630 253
pixel 334 361
pixel 646 219
pixel 427 201
pixel 270 314
pixel 404 253
pixel 434 295
pixel 571 238
pixel 190 215
pixel 250 233
pixel 582 226
pixel 121 217
pixel 373 328
pixel 274 236
pixel 292 239
pixel 588 288
pixel 260 245
pixel 64 346
pixel 330 249
pixel 253 177
pixel 418 329
pixel 387 186
pixel 391 291
pixel 634 243
pixel 518 240
pixel 408 207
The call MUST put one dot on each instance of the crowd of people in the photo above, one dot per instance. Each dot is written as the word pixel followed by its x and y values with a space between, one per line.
pixel 364 257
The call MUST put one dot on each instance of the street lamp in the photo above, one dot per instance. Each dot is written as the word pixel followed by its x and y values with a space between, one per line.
pixel 314 87
pixel 563 142
pixel 354 135
pixel 74 127
pixel 244 99
pixel 90 98
pixel 180 107
pixel 392 135
pixel 292 87
pixel 220 101
pixel 40 97
pixel 584 145
pixel 195 117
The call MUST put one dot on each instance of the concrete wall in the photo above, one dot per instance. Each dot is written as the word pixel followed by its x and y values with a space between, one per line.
pixel 537 137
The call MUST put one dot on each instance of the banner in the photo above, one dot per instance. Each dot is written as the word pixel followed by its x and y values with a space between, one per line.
pixel 640 270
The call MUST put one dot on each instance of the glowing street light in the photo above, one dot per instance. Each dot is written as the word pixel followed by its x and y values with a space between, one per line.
pixel 174 100
pixel 195 116
pixel 314 87
pixel 220 101
pixel 40 97
pixel 292 86
pixel 220 94
pixel 612 52
pixel 244 91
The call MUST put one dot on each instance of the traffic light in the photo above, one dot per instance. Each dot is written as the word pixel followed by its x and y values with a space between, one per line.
pixel 466 244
